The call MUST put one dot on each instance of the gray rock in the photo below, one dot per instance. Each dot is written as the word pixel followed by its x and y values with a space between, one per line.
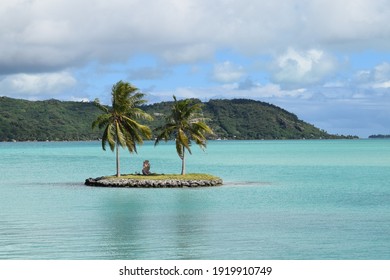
pixel 135 183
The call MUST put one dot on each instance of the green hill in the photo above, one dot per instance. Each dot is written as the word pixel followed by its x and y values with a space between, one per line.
pixel 248 119
pixel 23 120
pixel 55 120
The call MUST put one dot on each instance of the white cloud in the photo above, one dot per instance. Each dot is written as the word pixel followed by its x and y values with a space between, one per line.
pixel 382 72
pixel 79 99
pixel 381 76
pixel 376 78
pixel 302 68
pixel 352 24
pixel 233 90
pixel 382 85
pixel 227 72
pixel 49 35
pixel 37 84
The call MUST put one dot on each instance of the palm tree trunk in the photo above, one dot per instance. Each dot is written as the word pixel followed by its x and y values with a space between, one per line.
pixel 183 163
pixel 117 160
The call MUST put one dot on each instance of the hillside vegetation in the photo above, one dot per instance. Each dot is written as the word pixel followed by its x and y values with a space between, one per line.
pixel 52 120
pixel 55 120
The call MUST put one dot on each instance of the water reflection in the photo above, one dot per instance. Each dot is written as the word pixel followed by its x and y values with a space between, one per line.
pixel 189 225
pixel 170 225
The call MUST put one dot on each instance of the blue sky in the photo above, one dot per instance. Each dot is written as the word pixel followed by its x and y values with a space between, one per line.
pixel 327 61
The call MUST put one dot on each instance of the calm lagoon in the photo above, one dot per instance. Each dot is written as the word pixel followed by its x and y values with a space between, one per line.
pixel 321 199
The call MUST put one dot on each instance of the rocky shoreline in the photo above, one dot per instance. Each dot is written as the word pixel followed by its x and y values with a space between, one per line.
pixel 150 183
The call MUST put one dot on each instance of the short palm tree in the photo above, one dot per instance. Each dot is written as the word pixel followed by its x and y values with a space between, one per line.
pixel 119 121
pixel 185 123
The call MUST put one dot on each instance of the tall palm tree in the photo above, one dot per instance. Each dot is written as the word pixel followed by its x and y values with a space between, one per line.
pixel 119 121
pixel 185 123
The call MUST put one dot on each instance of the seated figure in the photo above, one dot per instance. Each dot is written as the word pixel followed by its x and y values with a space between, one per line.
pixel 146 168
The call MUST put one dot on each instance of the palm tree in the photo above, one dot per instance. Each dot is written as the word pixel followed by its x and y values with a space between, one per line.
pixel 185 123
pixel 119 121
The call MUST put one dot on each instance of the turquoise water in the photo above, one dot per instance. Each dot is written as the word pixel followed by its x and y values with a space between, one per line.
pixel 325 199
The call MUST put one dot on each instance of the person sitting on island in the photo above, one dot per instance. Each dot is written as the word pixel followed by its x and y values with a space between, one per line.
pixel 146 168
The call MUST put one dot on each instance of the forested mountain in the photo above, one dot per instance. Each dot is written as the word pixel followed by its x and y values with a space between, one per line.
pixel 23 120
pixel 55 120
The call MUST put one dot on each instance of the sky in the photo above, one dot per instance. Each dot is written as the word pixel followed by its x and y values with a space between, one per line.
pixel 327 61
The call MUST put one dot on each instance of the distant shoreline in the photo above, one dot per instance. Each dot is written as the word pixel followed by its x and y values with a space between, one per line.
pixel 210 140
pixel 379 136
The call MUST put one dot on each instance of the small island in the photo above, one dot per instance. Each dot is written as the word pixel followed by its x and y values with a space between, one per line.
pixel 156 181
pixel 379 136
pixel 185 124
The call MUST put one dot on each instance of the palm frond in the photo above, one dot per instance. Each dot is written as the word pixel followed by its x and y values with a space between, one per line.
pixel 179 149
pixel 102 121
pixel 138 113
pixel 120 134
pixel 136 99
pixel 100 106
pixel 202 127
pixel 134 126
pixel 165 132
pixel 182 137
pixel 105 138
pixel 108 137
